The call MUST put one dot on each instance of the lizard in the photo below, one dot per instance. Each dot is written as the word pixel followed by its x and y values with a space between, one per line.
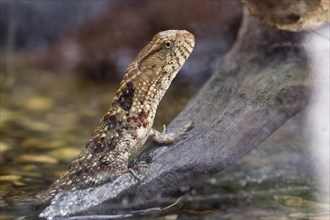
pixel 127 125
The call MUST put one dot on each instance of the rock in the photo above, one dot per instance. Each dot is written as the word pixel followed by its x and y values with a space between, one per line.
pixel 291 15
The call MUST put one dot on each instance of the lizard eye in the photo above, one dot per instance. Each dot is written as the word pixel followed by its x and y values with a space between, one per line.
pixel 168 44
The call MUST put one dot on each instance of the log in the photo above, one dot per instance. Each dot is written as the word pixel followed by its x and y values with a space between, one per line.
pixel 261 83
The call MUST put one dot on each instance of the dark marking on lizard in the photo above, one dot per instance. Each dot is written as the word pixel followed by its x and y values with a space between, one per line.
pixel 126 99
pixel 110 120
pixel 143 116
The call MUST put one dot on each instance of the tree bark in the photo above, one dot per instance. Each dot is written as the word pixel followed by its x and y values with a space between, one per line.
pixel 259 86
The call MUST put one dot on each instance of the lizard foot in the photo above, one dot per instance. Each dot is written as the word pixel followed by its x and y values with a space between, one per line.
pixel 141 164
pixel 131 171
pixel 164 138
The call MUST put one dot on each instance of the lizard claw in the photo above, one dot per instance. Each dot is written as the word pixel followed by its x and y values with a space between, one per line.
pixel 188 126
pixel 164 128
pixel 184 131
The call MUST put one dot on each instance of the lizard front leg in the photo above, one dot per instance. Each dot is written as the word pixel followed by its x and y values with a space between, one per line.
pixel 163 138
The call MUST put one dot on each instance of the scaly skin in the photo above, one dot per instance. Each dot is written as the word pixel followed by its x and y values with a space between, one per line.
pixel 127 125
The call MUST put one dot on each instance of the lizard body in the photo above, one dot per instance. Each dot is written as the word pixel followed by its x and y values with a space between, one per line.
pixel 128 123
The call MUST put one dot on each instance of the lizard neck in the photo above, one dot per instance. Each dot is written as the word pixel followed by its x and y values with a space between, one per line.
pixel 152 89
pixel 142 89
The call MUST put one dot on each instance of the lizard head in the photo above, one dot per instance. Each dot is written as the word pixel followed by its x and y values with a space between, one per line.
pixel 164 56
pixel 148 77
